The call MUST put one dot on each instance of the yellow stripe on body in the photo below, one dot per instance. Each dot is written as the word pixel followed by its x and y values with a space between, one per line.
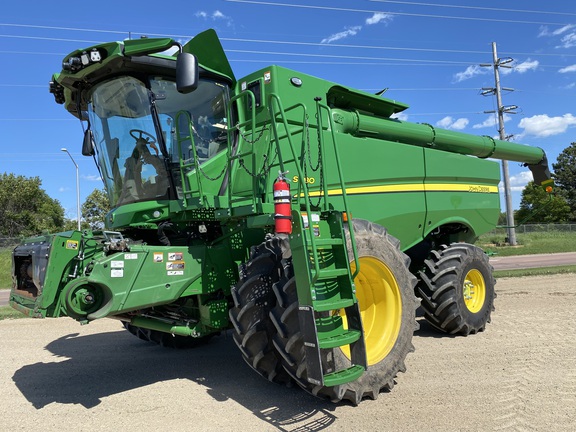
pixel 431 187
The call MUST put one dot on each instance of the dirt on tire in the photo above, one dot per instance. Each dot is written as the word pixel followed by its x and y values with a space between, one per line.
pixel 518 375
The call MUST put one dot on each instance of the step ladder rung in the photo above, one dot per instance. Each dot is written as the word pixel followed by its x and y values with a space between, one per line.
pixel 324 274
pixel 343 376
pixel 346 337
pixel 332 304
pixel 325 242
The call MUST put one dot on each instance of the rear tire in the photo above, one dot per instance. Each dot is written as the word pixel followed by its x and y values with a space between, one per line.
pixel 457 289
pixel 253 298
pixel 384 284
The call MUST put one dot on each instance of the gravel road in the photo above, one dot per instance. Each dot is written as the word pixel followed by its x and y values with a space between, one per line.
pixel 518 375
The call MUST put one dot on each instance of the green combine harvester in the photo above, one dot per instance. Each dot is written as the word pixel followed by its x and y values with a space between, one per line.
pixel 293 211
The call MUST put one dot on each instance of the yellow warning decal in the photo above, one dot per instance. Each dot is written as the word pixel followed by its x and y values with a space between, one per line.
pixel 72 244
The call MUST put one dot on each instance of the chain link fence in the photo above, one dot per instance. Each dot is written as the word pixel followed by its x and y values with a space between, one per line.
pixel 538 228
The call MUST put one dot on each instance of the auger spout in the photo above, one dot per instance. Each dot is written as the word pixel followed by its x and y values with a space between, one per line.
pixel 425 135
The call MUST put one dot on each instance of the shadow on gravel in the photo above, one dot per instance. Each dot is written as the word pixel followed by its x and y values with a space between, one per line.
pixel 427 331
pixel 100 365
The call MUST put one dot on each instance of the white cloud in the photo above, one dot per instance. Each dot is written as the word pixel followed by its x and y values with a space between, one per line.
pixel 216 15
pixel 460 124
pixel 471 71
pixel 545 32
pixel 491 121
pixel 568 32
pixel 562 30
pixel 568 69
pixel 568 41
pixel 544 126
pixel 518 182
pixel 449 122
pixel 525 66
pixel 92 177
pixel 378 17
pixel 400 116
pixel 350 31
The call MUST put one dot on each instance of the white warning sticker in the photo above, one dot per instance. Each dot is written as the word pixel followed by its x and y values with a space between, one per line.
pixel 116 273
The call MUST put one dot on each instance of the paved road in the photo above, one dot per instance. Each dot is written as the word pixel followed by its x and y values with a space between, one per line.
pixel 499 263
pixel 4 294
pixel 533 261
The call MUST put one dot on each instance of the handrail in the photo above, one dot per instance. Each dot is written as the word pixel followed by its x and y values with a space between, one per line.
pixel 231 157
pixel 275 98
pixel 342 185
pixel 196 164
pixel 302 185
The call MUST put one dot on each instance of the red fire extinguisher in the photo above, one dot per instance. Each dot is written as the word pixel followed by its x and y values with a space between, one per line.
pixel 282 210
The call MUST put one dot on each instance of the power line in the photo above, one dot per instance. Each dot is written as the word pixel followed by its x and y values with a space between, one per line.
pixel 324 62
pixel 23 85
pixel 263 3
pixel 319 44
pixel 31 53
pixel 265 41
pixel 350 57
pixel 425 89
pixel 62 28
pixel 475 7
pixel 50 39
pixel 37 119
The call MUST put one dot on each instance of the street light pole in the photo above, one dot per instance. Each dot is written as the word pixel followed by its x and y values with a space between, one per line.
pixel 77 186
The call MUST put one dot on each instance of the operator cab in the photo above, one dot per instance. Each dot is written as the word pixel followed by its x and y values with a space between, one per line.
pixel 143 127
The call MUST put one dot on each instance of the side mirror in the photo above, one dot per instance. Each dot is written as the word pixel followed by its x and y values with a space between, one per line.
pixel 88 144
pixel 186 72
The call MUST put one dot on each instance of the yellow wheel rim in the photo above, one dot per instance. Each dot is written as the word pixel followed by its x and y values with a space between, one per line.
pixel 380 305
pixel 474 290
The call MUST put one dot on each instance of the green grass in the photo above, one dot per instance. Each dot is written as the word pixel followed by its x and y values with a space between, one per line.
pixel 6 312
pixel 5 268
pixel 529 243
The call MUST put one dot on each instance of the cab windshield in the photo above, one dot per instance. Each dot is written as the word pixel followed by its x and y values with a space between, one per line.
pixel 136 126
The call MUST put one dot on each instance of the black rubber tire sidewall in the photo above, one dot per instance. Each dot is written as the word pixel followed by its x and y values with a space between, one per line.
pixel 441 289
pixel 371 240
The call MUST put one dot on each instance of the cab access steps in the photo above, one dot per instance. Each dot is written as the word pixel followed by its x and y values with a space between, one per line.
pixel 329 314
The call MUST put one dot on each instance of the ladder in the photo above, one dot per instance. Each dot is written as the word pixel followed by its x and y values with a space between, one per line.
pixel 329 315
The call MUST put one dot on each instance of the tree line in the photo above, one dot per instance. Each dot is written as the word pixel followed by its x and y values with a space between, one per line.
pixel 537 206
pixel 26 209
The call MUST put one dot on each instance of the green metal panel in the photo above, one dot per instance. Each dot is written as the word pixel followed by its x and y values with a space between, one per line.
pixel 461 189
pixel 207 48
pixel 384 179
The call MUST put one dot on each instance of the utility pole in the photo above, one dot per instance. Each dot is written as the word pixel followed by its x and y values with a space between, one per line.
pixel 497 63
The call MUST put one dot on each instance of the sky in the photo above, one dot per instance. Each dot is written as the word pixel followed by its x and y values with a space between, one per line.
pixel 427 55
